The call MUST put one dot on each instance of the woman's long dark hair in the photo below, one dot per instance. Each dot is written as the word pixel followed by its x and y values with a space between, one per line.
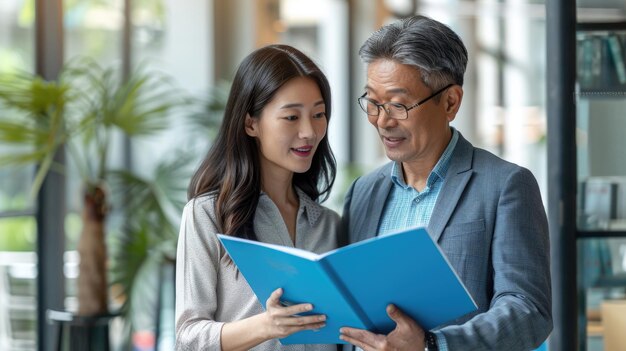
pixel 231 169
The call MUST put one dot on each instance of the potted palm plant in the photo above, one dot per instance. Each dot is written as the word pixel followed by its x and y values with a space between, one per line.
pixel 83 112
pixel 145 249
pixel 146 246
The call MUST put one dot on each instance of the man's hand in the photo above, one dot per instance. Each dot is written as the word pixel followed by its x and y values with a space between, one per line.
pixel 406 336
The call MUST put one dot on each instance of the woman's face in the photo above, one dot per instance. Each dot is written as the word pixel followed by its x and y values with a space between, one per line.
pixel 290 127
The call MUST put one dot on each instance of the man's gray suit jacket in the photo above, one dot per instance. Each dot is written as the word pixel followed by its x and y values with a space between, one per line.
pixel 490 222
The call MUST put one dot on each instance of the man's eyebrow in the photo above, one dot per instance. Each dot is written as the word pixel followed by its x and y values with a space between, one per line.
pixel 398 91
pixel 391 91
pixel 297 105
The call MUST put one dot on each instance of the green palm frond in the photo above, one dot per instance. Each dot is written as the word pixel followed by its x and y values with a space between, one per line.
pixel 207 120
pixel 18 158
pixel 142 104
pixel 151 231
pixel 22 133
pixel 32 122
pixel 161 197
pixel 32 95
pixel 143 201
pixel 171 178
pixel 129 251
pixel 138 106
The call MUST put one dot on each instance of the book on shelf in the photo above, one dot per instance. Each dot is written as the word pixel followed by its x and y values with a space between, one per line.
pixel 617 54
pixel 601 67
pixel 353 285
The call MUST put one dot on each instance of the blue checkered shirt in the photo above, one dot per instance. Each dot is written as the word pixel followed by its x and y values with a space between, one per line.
pixel 406 207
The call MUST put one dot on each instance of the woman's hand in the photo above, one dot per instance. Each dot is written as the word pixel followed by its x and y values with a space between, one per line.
pixel 276 322
pixel 279 321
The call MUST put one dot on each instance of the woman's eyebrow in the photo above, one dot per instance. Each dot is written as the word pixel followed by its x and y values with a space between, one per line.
pixel 298 105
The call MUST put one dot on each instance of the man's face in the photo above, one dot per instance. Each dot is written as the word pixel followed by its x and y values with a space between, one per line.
pixel 425 133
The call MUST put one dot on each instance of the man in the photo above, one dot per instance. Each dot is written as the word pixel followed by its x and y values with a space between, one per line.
pixel 486 214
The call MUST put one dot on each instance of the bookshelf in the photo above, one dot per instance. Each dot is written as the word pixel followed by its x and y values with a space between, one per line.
pixel 600 169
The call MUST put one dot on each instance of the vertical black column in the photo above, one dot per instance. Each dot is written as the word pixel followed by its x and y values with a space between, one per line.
pixel 127 67
pixel 352 91
pixel 561 41
pixel 51 198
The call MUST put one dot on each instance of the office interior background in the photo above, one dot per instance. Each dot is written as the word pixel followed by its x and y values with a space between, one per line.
pixel 192 47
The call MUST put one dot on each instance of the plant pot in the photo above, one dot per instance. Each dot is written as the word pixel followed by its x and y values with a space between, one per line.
pixel 81 333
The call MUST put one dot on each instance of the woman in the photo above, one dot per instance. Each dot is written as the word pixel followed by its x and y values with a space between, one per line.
pixel 262 179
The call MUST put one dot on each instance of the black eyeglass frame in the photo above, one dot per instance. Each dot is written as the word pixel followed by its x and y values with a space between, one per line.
pixel 397 104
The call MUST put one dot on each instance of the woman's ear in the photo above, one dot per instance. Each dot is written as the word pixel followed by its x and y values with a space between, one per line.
pixel 251 126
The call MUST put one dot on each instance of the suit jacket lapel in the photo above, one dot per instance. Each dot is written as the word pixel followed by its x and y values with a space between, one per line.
pixel 376 201
pixel 459 174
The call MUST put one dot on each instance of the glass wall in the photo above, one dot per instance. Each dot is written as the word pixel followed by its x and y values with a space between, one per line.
pixel 504 107
pixel 176 39
pixel 18 231
pixel 93 31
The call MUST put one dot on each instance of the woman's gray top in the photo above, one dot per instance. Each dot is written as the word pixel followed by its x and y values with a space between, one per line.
pixel 209 292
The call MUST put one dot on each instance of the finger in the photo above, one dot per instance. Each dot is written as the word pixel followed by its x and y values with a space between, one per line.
pixel 294 329
pixel 285 330
pixel 399 317
pixel 405 325
pixel 356 342
pixel 362 337
pixel 295 309
pixel 274 298
pixel 316 326
pixel 307 320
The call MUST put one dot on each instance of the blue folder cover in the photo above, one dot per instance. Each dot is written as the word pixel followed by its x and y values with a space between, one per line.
pixel 353 285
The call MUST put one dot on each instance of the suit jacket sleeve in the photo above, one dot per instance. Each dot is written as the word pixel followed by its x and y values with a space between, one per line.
pixel 519 315
pixel 343 238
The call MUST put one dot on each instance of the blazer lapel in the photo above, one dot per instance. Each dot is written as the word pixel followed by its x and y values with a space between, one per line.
pixel 458 176
pixel 376 201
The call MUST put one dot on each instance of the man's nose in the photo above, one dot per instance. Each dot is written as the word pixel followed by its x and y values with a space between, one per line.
pixel 383 120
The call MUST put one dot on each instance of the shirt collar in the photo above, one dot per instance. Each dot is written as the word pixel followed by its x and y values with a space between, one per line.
pixel 308 207
pixel 313 209
pixel 439 171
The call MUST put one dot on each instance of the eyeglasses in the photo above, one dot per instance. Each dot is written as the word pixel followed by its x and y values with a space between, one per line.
pixel 393 109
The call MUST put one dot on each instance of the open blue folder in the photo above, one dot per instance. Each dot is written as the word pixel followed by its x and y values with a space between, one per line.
pixel 353 285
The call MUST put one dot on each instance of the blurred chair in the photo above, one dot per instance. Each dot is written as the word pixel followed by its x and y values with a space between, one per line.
pixel 17 301
pixel 81 333
pixel 614 323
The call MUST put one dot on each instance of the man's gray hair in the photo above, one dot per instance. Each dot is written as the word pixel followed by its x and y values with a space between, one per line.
pixel 430 46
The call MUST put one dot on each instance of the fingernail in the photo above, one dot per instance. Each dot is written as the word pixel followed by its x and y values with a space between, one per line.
pixel 309 307
pixel 322 318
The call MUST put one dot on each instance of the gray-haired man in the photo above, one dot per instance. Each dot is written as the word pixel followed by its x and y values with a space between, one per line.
pixel 486 214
